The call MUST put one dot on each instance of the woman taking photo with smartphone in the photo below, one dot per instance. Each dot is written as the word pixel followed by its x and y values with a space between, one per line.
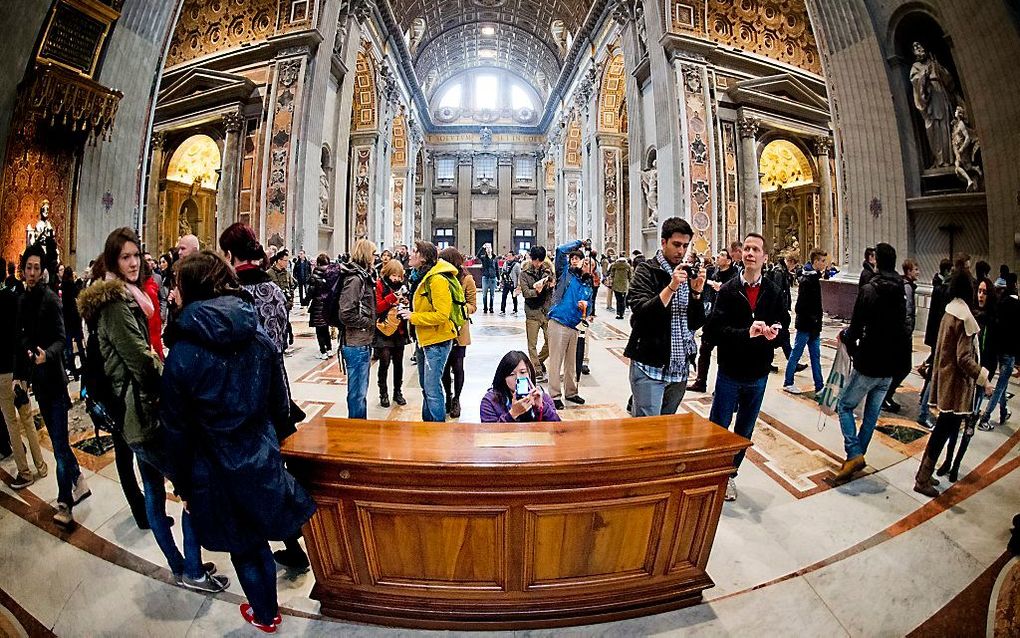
pixel 514 395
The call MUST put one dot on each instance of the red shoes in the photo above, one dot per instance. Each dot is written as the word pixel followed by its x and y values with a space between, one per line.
pixel 249 617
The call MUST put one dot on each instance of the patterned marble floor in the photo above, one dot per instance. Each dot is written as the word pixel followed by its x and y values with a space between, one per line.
pixel 793 556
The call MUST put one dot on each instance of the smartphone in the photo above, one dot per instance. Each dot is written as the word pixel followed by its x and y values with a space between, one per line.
pixel 523 387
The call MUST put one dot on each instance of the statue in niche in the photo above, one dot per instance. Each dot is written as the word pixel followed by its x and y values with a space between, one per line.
pixel 650 188
pixel 323 199
pixel 966 150
pixel 934 90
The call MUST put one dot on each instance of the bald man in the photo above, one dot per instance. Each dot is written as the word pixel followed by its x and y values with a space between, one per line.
pixel 188 245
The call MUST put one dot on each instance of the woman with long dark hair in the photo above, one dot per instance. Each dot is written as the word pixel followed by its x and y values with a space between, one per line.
pixel 390 294
pixel 247 257
pixel 514 395
pixel 70 286
pixel 121 310
pixel 956 374
pixel 224 397
pixel 455 362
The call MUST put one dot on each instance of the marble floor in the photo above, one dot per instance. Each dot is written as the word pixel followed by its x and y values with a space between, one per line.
pixel 793 556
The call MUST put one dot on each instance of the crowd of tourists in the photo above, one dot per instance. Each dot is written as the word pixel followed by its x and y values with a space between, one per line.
pixel 181 360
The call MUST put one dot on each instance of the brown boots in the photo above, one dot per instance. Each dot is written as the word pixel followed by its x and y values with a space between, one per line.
pixel 848 469
pixel 923 480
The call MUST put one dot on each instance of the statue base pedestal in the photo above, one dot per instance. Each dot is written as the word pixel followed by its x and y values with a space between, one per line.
pixel 650 237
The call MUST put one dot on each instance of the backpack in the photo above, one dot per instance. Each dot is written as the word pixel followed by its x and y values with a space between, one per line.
pixel 104 408
pixel 458 312
pixel 334 278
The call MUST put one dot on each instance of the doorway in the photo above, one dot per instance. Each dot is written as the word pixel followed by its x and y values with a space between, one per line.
pixel 484 236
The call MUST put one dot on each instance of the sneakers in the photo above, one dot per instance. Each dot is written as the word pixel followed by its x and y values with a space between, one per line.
pixel 21 482
pixel 398 398
pixel 557 404
pixel 294 561
pixel 63 516
pixel 249 616
pixel 384 401
pixel 984 426
pixel 891 406
pixel 1004 416
pixel 619 316
pixel 731 490
pixel 323 356
pixel 576 399
pixel 585 369
pixel 927 423
pixel 208 583
pixel 81 490
pixel 792 389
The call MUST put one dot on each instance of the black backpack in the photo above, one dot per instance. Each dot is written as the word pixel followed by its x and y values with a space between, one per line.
pixel 334 282
pixel 100 403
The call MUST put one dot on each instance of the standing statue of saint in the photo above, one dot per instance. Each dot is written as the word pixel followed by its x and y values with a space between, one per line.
pixel 43 227
pixel 650 187
pixel 323 199
pixel 934 91
pixel 966 150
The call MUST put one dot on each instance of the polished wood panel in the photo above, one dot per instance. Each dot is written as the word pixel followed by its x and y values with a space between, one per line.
pixel 500 526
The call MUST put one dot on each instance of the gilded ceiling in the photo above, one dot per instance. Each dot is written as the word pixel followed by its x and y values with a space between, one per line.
pixel 522 35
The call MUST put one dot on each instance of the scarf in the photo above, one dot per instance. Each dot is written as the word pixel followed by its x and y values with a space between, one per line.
pixel 682 347
pixel 141 298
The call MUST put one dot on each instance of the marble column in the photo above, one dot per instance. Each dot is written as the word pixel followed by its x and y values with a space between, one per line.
pixel 750 183
pixel 504 203
pixel 541 218
pixel 825 222
pixel 153 214
pixel 465 163
pixel 230 168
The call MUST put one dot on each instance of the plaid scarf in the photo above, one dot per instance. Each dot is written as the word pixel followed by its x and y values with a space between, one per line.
pixel 682 347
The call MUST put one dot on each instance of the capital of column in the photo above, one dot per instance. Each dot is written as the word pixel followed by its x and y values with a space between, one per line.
pixel 505 158
pixel 158 140
pixel 748 127
pixel 232 122
pixel 465 158
pixel 822 145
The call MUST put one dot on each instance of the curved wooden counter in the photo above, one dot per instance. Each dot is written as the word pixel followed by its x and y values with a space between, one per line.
pixel 497 526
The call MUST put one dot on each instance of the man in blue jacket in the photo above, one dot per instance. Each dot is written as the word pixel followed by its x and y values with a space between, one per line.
pixel 572 297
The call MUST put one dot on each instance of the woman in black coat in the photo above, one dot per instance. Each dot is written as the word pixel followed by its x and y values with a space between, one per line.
pixel 70 286
pixel 319 284
pixel 224 395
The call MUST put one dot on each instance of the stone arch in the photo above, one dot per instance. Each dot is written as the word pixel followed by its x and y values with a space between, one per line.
pixel 612 97
pixel 798 148
pixel 365 111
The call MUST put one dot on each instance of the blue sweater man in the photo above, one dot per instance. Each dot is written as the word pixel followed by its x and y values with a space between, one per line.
pixel 572 297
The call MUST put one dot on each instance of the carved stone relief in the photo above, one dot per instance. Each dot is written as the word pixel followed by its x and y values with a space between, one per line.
pixel 362 181
pixel 398 210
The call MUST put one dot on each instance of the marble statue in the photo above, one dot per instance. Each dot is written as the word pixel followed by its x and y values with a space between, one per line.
pixel 323 199
pixel 43 227
pixel 966 150
pixel 933 88
pixel 650 188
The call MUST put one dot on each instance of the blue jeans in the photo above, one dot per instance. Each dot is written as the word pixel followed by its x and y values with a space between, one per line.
pixel 998 397
pixel 358 360
pixel 431 363
pixel 489 293
pixel 814 346
pixel 256 572
pixel 651 397
pixel 872 391
pixel 742 397
pixel 54 414
pixel 154 486
pixel 924 411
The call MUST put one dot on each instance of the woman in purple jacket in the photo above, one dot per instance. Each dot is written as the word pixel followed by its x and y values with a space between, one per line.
pixel 514 395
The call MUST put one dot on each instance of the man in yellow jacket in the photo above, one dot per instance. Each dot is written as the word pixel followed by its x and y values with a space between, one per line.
pixel 430 311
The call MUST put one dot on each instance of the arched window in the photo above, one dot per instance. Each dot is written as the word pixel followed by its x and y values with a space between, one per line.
pixel 487 95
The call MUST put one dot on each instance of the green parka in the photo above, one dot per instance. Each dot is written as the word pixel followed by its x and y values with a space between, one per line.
pixel 113 315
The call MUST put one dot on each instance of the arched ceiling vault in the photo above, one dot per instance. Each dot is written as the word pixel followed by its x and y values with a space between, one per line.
pixel 522 41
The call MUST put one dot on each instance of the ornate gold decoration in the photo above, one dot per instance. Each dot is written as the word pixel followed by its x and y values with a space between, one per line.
pixel 612 96
pixel 572 158
pixel 365 99
pixel 398 210
pixel 64 99
pixel 399 140
pixel 778 29
pixel 196 160
pixel 211 26
pixel 362 170
pixel 783 165
pixel 611 178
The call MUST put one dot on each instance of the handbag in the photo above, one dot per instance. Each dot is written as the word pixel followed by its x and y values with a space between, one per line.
pixel 390 323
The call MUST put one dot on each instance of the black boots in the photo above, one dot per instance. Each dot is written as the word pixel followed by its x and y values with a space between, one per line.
pixel 398 397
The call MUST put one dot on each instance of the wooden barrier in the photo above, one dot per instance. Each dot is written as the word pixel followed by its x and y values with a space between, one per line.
pixel 519 525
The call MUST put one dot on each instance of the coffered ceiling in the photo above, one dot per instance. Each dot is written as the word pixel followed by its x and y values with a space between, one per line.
pixel 521 40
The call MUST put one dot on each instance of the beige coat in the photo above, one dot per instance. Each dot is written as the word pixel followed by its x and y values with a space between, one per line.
pixel 471 304
pixel 956 371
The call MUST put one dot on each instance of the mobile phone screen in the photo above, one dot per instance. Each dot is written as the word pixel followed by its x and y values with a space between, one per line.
pixel 523 387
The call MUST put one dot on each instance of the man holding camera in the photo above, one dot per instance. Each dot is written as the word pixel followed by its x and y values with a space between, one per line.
pixel 537 283
pixel 572 298
pixel 747 325
pixel 666 306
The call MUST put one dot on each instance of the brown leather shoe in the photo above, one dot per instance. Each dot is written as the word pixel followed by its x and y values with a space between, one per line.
pixel 848 469
pixel 922 482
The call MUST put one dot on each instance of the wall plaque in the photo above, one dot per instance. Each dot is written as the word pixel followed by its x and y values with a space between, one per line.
pixel 74 37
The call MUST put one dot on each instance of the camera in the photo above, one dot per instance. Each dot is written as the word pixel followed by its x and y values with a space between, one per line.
pixel 693 267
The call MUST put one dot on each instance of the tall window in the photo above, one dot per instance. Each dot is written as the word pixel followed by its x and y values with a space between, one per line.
pixel 446 169
pixel 443 238
pixel 524 238
pixel 452 97
pixel 524 169
pixel 486 92
pixel 485 170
